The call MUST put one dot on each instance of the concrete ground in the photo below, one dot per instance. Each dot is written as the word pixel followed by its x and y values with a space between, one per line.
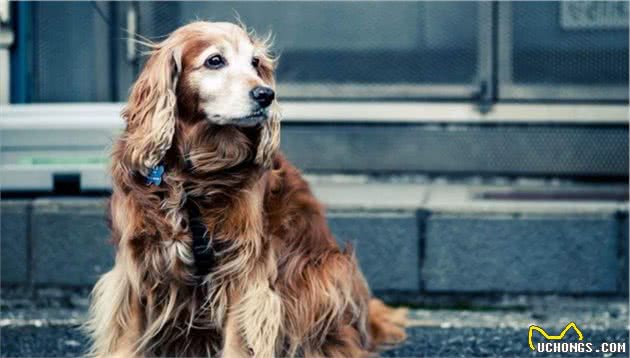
pixel 67 341
pixel 498 331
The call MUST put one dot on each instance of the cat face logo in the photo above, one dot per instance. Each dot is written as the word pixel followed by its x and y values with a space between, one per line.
pixel 533 328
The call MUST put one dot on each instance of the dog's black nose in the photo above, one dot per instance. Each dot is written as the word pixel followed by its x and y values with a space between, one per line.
pixel 263 96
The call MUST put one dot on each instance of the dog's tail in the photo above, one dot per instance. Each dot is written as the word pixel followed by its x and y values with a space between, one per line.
pixel 386 325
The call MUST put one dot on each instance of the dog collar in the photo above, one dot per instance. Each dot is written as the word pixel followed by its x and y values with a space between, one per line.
pixel 155 175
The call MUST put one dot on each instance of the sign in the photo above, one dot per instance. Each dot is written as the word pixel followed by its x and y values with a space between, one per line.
pixel 589 15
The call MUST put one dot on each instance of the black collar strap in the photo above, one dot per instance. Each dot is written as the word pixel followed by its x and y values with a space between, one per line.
pixel 203 252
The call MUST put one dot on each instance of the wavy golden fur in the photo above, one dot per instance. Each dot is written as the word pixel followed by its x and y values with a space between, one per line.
pixel 281 286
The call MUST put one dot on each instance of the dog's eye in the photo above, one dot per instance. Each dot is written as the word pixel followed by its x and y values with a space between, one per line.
pixel 215 61
pixel 255 62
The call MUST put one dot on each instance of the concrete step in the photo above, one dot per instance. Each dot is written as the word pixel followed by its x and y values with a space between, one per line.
pixel 39 142
pixel 412 238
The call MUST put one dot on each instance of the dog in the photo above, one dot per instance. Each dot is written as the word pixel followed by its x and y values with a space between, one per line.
pixel 221 248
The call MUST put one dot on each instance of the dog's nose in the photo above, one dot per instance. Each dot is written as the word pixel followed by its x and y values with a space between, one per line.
pixel 263 96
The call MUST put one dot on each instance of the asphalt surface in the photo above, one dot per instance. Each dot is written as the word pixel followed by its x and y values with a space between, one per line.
pixel 67 341
pixel 46 325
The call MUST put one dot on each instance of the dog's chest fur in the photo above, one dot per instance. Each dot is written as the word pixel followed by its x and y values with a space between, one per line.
pixel 234 220
pixel 185 314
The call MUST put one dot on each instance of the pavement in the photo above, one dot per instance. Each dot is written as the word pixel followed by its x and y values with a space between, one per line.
pixel 67 341
pixel 29 329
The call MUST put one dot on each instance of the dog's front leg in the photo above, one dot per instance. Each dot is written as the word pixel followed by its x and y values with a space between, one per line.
pixel 253 322
pixel 260 313
pixel 114 322
pixel 233 345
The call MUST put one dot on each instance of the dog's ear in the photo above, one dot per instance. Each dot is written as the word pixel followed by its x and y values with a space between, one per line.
pixel 152 109
pixel 270 134
pixel 269 139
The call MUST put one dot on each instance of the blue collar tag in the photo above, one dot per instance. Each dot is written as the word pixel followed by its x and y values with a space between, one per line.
pixel 155 176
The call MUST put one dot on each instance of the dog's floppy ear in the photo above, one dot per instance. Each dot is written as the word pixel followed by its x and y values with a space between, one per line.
pixel 152 109
pixel 269 139
pixel 270 135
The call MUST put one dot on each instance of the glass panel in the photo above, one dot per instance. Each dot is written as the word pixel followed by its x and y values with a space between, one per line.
pixel 574 43
pixel 349 42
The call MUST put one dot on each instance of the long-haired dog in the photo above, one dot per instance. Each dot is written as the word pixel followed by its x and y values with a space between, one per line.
pixel 199 157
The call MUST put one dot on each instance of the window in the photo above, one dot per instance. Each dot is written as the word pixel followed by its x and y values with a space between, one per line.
pixel 501 51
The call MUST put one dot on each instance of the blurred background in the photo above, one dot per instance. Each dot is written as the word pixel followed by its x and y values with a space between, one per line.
pixel 475 153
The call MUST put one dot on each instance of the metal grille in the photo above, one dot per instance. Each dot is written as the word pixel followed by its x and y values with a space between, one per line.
pixel 367 50
pixel 71 53
pixel 400 46
pixel 158 19
pixel 565 50
pixel 583 151
pixel 547 52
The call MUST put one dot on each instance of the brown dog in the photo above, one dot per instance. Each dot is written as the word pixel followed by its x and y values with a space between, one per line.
pixel 276 283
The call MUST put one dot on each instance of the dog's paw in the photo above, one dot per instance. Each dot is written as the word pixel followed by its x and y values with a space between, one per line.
pixel 399 317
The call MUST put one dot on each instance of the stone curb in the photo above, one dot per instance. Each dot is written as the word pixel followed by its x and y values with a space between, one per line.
pixel 433 243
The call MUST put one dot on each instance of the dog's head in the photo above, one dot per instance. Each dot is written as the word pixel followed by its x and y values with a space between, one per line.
pixel 213 72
